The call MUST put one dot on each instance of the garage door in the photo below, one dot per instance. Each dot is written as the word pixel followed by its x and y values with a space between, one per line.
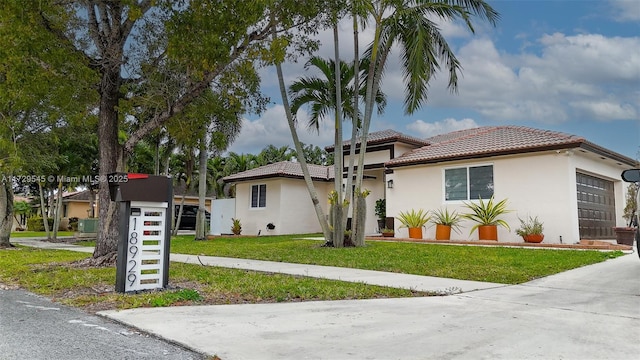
pixel 596 207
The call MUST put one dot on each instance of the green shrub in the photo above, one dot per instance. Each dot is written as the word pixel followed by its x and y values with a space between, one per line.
pixel 73 223
pixel 35 223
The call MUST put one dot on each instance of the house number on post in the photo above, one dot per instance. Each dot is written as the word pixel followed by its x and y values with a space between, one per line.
pixel 145 247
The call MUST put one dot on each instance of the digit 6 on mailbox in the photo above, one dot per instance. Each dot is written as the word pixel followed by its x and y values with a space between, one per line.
pixel 145 230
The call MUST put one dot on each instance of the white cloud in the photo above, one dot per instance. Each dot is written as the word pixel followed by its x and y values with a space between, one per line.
pixel 423 129
pixel 606 109
pixel 553 85
pixel 626 10
pixel 272 129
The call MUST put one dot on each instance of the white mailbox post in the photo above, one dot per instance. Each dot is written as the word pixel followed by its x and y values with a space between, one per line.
pixel 145 230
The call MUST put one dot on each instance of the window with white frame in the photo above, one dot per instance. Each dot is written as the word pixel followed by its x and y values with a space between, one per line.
pixel 258 196
pixel 468 183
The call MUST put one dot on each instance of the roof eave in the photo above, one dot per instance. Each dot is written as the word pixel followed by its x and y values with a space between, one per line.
pixel 484 154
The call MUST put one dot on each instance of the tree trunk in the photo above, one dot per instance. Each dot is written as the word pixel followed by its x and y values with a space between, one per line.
pixel 322 220
pixel 92 203
pixel 43 210
pixel 359 222
pixel 338 227
pixel 110 153
pixel 354 129
pixel 56 211
pixel 6 212
pixel 179 217
pixel 201 218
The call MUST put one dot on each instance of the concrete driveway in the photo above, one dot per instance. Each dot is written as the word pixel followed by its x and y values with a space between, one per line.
pixel 587 313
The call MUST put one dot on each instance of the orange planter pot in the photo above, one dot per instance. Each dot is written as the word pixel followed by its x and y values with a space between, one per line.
pixel 533 238
pixel 415 233
pixel 443 232
pixel 488 232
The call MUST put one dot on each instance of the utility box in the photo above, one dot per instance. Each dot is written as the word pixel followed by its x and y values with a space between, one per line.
pixel 145 230
pixel 89 225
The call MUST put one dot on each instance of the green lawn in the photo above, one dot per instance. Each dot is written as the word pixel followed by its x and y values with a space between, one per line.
pixel 49 273
pixel 493 264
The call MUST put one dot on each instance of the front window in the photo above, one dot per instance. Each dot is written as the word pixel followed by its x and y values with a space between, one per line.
pixel 468 183
pixel 259 196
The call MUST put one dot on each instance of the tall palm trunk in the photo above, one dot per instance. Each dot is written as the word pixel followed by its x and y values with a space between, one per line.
pixel 43 210
pixel 322 220
pixel 373 77
pixel 358 239
pixel 57 210
pixel 201 219
pixel 338 231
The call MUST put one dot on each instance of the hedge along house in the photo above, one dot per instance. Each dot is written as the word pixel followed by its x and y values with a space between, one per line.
pixel 571 184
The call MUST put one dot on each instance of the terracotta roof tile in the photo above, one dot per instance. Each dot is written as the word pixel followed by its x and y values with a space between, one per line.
pixel 384 136
pixel 487 141
pixel 284 169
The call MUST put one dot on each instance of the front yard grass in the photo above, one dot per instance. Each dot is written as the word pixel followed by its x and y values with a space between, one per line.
pixel 492 264
pixel 50 273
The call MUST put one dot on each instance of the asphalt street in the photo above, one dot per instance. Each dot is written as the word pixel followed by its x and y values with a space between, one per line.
pixel 34 328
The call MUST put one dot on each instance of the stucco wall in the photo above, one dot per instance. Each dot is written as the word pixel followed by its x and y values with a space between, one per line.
pixel 541 184
pixel 288 207
pixel 78 209
pixel 371 157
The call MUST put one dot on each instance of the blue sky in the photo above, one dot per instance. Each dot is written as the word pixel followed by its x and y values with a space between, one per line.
pixel 569 66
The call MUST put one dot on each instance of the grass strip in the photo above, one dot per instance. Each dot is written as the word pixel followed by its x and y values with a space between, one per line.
pixel 492 264
pixel 49 273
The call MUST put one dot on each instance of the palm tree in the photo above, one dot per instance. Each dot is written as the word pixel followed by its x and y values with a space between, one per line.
pixel 320 94
pixel 236 163
pixel 409 25
pixel 272 154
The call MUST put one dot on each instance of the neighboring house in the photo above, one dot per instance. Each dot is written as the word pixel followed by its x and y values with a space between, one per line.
pixel 277 194
pixel 571 184
pixel 78 204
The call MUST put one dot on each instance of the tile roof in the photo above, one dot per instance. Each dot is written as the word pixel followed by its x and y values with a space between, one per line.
pixel 283 169
pixel 382 137
pixel 495 140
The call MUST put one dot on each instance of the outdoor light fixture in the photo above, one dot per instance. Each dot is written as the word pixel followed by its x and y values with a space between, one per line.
pixel 390 184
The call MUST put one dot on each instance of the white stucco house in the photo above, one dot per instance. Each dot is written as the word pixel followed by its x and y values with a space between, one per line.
pixel 571 184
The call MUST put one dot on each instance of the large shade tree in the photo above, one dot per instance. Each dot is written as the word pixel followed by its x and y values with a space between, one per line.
pixel 124 42
pixel 42 87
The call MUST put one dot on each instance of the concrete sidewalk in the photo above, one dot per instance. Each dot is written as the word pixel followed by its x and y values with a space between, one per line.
pixel 381 278
pixel 371 277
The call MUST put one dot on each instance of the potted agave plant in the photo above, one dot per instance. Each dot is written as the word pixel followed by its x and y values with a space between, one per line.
pixel 486 215
pixel 531 230
pixel 414 221
pixel 445 221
